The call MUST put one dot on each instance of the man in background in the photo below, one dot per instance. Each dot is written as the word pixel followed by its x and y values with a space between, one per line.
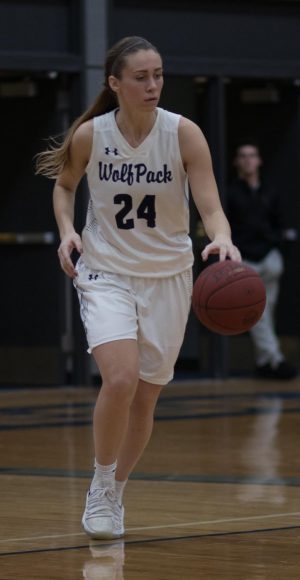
pixel 254 215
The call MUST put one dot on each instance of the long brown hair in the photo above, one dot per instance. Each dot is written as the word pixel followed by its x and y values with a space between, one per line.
pixel 52 161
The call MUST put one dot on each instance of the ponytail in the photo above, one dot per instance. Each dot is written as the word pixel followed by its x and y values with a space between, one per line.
pixel 51 162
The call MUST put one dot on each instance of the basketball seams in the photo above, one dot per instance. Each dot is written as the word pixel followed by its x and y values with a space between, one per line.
pixel 221 328
pixel 231 286
pixel 242 307
pixel 229 283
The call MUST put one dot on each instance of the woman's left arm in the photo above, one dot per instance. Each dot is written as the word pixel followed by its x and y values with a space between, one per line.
pixel 197 162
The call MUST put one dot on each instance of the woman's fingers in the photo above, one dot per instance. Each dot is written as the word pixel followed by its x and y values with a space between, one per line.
pixel 224 249
pixel 68 244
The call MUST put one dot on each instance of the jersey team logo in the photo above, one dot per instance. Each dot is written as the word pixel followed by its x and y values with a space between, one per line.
pixel 111 151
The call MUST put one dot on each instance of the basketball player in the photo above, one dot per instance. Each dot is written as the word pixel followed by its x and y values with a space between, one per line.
pixel 134 278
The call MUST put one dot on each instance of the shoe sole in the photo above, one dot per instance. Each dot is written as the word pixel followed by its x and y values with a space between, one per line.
pixel 101 535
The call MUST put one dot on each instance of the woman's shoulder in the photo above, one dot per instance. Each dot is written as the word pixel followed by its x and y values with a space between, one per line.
pixel 165 113
pixel 84 131
pixel 189 125
pixel 104 121
pixel 189 131
pixel 166 116
pixel 82 140
pixel 172 120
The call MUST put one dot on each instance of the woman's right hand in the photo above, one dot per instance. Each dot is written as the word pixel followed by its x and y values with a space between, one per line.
pixel 69 243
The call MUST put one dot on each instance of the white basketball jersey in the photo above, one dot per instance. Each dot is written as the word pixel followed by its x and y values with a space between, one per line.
pixel 138 215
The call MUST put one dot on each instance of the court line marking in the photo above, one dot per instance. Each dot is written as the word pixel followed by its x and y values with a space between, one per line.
pixel 158 477
pixel 67 422
pixel 164 478
pixel 129 542
pixel 32 409
pixel 222 521
pixel 164 526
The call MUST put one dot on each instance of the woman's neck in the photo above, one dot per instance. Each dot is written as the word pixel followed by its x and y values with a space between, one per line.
pixel 135 127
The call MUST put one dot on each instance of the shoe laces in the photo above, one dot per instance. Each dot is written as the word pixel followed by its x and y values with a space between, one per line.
pixel 100 502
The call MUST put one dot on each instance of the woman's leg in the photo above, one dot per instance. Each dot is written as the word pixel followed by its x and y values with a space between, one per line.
pixel 139 428
pixel 118 364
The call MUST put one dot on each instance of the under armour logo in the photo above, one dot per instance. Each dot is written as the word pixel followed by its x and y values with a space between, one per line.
pixel 113 150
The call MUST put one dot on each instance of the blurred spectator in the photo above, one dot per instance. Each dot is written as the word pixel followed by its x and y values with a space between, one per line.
pixel 255 218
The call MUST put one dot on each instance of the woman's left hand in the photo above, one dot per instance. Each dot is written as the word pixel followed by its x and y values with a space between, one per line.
pixel 223 246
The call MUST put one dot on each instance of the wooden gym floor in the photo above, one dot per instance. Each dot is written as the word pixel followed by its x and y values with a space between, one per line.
pixel 216 495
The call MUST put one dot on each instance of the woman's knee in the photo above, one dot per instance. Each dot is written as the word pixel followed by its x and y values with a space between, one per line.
pixel 118 365
pixel 120 385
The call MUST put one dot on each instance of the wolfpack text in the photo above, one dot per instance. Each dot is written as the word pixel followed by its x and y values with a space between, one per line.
pixel 133 173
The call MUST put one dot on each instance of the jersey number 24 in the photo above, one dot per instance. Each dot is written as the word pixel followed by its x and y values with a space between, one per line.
pixel 145 211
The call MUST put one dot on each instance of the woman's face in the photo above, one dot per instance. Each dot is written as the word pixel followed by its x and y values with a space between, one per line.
pixel 141 81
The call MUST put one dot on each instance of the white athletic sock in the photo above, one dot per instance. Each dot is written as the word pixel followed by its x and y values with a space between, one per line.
pixel 104 475
pixel 119 488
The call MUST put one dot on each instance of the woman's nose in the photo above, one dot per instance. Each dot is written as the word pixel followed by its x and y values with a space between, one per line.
pixel 151 84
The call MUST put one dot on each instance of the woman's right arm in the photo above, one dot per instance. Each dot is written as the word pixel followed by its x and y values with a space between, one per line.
pixel 64 195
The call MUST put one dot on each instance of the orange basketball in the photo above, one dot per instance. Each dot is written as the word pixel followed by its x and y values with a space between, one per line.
pixel 228 297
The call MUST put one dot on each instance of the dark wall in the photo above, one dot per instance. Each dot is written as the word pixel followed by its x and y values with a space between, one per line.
pixel 26 122
pixel 39 25
pixel 30 298
pixel 41 35
pixel 41 43
pixel 40 92
pixel 257 38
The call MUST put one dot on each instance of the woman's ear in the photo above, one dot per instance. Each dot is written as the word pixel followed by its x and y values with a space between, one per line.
pixel 113 83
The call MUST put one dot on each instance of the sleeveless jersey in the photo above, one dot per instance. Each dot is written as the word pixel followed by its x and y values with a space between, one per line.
pixel 138 215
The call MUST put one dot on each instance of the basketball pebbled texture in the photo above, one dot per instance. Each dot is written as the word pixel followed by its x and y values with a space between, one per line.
pixel 228 297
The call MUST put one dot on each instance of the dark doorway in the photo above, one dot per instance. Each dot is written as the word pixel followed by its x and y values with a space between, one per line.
pixel 30 343
pixel 268 113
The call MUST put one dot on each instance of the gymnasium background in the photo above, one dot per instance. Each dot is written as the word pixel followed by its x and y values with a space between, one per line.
pixel 231 66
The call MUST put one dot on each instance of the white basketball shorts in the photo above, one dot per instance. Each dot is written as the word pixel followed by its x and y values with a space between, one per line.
pixel 152 311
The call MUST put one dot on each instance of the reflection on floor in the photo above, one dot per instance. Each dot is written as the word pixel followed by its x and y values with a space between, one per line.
pixel 217 492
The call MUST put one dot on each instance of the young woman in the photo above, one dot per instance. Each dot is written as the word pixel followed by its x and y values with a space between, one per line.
pixel 134 278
